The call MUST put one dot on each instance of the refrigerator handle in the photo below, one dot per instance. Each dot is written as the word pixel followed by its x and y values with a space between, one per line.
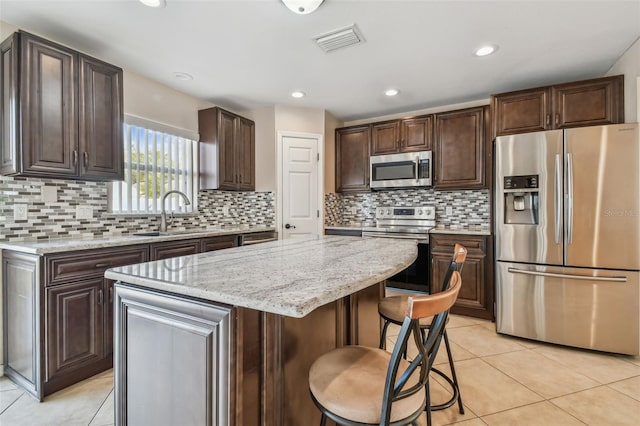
pixel 572 277
pixel 557 199
pixel 569 198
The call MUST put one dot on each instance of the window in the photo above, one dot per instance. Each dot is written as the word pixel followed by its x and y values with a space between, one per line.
pixel 155 163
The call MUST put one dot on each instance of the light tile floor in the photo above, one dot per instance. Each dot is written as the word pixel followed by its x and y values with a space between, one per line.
pixel 504 381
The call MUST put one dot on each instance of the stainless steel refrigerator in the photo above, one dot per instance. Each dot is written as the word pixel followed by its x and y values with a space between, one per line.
pixel 567 225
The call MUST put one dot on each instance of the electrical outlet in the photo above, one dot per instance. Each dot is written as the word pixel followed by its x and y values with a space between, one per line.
pixel 449 210
pixel 225 210
pixel 84 212
pixel 354 210
pixel 20 211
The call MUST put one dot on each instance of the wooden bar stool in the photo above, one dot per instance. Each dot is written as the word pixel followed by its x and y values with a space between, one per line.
pixel 358 385
pixel 392 309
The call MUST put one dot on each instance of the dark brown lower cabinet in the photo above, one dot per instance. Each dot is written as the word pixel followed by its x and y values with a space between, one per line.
pixel 476 297
pixel 268 363
pixel 75 332
pixel 170 249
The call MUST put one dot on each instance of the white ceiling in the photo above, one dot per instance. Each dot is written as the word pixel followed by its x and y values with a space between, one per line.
pixel 249 54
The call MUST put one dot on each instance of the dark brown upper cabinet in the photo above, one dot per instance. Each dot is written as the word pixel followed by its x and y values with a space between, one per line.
pixel 352 158
pixel 408 135
pixel 460 154
pixel 227 150
pixel 582 103
pixel 62 112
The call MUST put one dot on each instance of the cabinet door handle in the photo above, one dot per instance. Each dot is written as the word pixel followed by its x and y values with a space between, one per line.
pixel 102 265
pixel 548 120
pixel 75 157
pixel 240 178
pixel 110 294
pixel 100 297
pixel 86 159
pixel 557 119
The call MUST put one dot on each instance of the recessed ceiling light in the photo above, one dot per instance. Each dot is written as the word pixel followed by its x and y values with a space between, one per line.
pixel 183 76
pixel 298 94
pixel 392 92
pixel 154 3
pixel 486 50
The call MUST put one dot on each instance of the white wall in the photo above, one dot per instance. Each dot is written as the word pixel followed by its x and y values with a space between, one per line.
pixel 265 147
pixel 330 125
pixel 629 65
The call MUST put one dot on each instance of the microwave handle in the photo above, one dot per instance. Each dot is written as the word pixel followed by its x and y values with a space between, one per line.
pixel 417 168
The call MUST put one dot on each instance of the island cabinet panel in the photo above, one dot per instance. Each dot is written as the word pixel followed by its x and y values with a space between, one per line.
pixel 476 297
pixel 187 343
pixel 352 158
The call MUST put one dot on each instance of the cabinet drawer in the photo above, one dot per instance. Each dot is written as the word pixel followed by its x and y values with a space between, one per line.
pixel 167 250
pixel 63 268
pixel 444 244
pixel 258 237
pixel 218 243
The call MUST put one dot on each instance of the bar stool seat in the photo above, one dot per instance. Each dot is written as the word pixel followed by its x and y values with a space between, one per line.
pixel 357 374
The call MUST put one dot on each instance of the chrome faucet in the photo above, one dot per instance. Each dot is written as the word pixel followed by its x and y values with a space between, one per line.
pixel 163 215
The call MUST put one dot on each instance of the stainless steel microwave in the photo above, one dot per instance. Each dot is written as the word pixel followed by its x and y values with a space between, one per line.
pixel 411 169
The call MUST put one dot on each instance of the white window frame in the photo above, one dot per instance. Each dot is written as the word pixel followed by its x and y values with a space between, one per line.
pixel 181 170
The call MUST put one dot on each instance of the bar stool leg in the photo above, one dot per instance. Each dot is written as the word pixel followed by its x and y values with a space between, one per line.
pixel 453 370
pixel 383 335
pixel 323 420
pixel 427 407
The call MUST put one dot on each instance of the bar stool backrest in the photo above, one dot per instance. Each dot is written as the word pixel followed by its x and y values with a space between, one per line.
pixel 457 262
pixel 436 305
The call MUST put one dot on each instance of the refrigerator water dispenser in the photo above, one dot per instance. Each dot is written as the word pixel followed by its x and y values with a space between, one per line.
pixel 521 200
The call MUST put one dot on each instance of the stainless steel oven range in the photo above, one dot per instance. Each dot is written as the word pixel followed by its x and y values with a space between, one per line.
pixel 411 223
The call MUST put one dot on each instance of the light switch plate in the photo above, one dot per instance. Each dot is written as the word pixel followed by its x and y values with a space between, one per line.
pixel 354 210
pixel 84 212
pixel 225 210
pixel 49 194
pixel 20 211
pixel 449 210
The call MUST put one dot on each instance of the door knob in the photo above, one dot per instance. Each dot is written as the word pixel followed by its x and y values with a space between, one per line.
pixel 287 226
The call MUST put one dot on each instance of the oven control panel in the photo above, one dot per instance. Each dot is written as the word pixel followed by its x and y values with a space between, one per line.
pixel 418 212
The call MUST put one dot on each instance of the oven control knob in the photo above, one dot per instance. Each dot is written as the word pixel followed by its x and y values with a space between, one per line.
pixel 389 212
pixel 419 212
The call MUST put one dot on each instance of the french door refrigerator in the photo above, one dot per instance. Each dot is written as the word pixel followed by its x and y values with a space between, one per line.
pixel 567 225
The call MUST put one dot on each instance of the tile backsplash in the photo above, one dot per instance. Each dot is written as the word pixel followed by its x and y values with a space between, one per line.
pixel 469 207
pixel 58 219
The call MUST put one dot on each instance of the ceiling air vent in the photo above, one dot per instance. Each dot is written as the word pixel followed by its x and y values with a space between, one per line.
pixel 340 38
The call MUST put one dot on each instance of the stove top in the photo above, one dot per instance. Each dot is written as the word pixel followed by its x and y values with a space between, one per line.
pixel 404 220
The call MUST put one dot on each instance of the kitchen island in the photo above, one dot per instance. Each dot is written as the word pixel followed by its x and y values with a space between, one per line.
pixel 227 338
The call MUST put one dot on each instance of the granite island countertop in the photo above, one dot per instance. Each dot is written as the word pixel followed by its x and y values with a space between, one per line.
pixel 286 277
pixel 73 244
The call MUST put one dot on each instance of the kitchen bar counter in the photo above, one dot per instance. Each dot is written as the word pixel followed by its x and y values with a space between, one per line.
pixel 73 244
pixel 234 332
pixel 286 277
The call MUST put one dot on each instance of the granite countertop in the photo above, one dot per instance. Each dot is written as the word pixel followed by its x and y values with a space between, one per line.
pixel 286 277
pixel 72 244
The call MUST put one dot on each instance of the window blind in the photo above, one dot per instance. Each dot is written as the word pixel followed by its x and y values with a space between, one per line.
pixel 155 163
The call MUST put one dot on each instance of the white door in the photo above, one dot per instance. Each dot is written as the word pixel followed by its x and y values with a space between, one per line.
pixel 300 186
